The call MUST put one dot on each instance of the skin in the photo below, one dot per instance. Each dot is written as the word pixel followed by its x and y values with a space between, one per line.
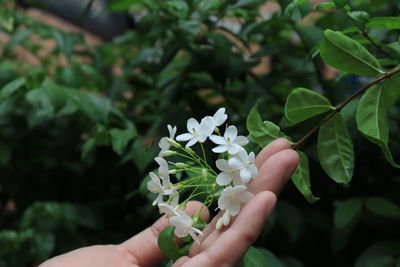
pixel 276 163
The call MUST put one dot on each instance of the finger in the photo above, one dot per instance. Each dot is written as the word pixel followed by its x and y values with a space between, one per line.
pixel 275 172
pixel 230 247
pixel 144 246
pixel 271 149
pixel 272 176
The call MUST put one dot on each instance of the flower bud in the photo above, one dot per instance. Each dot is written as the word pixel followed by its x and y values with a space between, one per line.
pixel 204 174
pixel 218 225
pixel 167 153
pixel 189 150
pixel 226 218
pixel 173 171
pixel 181 165
pixel 173 143
pixel 216 130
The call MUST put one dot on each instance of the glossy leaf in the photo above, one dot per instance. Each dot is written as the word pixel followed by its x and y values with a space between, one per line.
pixel 390 23
pixel 347 212
pixel 11 87
pixel 168 245
pixel 383 207
pixel 260 257
pixel 303 104
pixel 325 5
pixel 335 150
pixel 301 178
pixel 372 112
pixel 263 132
pixel 346 54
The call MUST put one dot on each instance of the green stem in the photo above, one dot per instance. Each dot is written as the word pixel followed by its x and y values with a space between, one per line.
pixel 385 76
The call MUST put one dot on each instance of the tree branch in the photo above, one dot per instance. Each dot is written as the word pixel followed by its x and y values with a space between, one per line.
pixel 341 106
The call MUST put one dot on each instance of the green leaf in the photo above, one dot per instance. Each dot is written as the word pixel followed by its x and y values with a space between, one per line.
pixel 301 178
pixel 347 212
pixel 390 23
pixel 120 139
pixel 87 147
pixel 345 54
pixel 325 5
pixel 168 245
pixel 383 207
pixel 335 150
pixel 288 12
pixel 341 3
pixel 142 156
pixel 372 113
pixel 11 87
pixel 303 104
pixel 376 252
pixel 263 133
pixel 18 37
pixel 260 257
pixel 101 135
pixel 361 17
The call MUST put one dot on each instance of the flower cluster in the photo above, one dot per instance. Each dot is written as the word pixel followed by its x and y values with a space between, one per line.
pixel 234 168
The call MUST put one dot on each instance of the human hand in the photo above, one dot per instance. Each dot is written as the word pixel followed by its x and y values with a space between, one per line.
pixel 225 247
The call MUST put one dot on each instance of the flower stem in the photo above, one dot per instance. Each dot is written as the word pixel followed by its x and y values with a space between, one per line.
pixel 385 76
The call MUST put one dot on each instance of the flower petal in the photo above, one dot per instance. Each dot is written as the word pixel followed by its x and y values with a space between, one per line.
pixel 220 149
pixel 245 196
pixel 220 117
pixel 192 125
pixel 241 140
pixel 224 178
pixel 234 209
pixel 245 174
pixel 231 132
pixel 192 142
pixel 184 137
pixel 235 163
pixel 218 139
pixel 234 149
pixel 206 126
pixel 222 164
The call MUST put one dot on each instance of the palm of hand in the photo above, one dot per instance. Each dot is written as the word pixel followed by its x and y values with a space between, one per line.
pixel 225 247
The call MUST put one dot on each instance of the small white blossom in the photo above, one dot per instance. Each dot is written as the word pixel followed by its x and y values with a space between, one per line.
pixel 232 197
pixel 245 163
pixel 184 226
pixel 231 142
pixel 171 209
pixel 155 186
pixel 163 143
pixel 197 132
pixel 163 170
pixel 228 174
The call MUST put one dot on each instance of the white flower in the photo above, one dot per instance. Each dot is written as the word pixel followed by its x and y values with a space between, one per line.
pixel 219 117
pixel 155 186
pixel 230 142
pixel 245 163
pixel 163 170
pixel 232 197
pixel 184 226
pixel 228 173
pixel 197 132
pixel 163 143
pixel 171 209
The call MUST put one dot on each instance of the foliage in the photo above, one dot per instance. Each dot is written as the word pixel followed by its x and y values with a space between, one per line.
pixel 79 127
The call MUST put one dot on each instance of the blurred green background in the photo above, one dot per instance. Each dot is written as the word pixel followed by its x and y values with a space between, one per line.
pixel 81 115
